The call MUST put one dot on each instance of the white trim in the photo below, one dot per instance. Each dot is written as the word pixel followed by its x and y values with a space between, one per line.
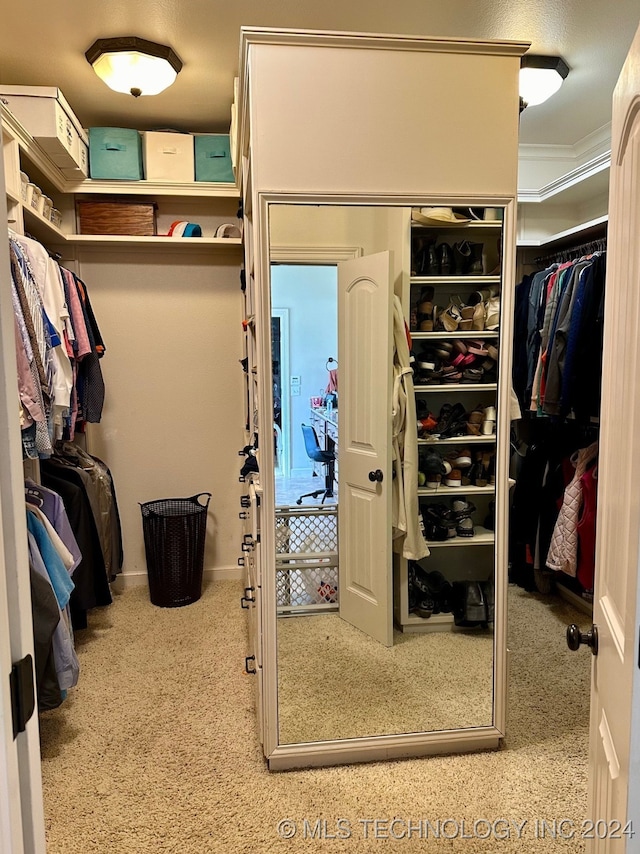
pixel 565 182
pixel 128 580
pixel 331 38
pixel 590 146
pixel 313 254
pixel 21 805
pixel 569 232
pixel 285 392
pixel 382 747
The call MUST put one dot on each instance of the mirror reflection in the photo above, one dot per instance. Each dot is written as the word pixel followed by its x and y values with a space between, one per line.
pixel 371 642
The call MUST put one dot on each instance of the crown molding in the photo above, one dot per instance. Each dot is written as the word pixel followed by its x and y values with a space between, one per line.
pixel 575 163
pixel 566 181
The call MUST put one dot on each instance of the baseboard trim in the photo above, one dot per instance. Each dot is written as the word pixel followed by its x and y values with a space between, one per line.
pixel 138 579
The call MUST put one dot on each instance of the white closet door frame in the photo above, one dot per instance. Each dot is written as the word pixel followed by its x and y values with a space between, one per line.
pixel 21 809
pixel 284 459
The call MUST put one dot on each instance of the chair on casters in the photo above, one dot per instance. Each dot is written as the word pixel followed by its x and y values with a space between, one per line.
pixel 327 458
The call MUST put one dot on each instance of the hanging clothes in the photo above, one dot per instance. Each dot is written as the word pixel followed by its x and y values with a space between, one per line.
pixel 563 551
pixel 407 536
pixel 559 311
pixel 58 349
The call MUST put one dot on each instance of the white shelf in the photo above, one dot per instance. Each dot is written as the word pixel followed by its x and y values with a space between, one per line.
pixel 473 333
pixel 458 386
pixel 40 227
pixel 482 537
pixel 460 440
pixel 443 491
pixel 12 196
pixel 155 188
pixel 455 280
pixel 475 224
pixel 434 623
pixel 562 235
pixel 157 240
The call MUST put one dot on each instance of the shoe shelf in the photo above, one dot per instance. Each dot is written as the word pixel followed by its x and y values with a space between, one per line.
pixel 434 336
pixel 474 225
pixel 482 537
pixel 460 440
pixel 434 623
pixel 444 491
pixel 456 280
pixel 458 386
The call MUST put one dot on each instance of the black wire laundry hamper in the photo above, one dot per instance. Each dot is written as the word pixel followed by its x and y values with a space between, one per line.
pixel 174 535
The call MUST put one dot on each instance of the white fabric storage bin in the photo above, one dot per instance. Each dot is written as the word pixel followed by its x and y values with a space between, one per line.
pixel 168 156
pixel 36 197
pixel 46 115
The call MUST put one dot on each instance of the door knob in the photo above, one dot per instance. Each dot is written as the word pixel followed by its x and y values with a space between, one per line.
pixel 376 476
pixel 575 637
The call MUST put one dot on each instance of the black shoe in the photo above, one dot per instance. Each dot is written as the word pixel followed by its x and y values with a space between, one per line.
pixel 449 415
pixel 445 259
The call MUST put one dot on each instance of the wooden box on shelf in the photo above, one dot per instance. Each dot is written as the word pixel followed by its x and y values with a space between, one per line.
pixel 117 216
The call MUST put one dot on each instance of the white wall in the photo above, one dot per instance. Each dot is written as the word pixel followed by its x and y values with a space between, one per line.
pixel 173 418
pixel 310 294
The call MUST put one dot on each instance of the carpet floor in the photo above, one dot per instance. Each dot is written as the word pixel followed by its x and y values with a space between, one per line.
pixel 156 750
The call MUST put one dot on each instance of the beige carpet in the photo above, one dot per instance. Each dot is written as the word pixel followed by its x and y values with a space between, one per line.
pixel 335 682
pixel 156 749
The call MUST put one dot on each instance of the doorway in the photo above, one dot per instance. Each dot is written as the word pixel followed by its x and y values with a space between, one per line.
pixel 304 322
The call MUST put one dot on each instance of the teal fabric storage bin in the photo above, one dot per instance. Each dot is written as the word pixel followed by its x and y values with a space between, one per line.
pixel 213 158
pixel 115 153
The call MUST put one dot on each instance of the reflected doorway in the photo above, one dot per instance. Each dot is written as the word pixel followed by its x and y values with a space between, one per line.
pixel 304 321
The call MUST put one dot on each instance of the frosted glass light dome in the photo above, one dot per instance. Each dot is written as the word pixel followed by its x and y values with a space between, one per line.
pixel 134 66
pixel 541 77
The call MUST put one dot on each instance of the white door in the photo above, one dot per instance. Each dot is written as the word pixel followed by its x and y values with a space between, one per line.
pixel 614 774
pixel 364 443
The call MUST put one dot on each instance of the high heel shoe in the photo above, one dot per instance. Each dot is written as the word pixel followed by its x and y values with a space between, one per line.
pixel 450 318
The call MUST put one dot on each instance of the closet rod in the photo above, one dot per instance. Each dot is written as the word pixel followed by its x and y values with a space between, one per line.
pixel 572 252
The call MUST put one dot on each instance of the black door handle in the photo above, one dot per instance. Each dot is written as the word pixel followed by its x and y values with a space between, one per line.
pixel 247 668
pixel 376 476
pixel 575 638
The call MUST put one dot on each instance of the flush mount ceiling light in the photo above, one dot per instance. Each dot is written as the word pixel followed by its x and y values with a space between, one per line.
pixel 540 78
pixel 134 66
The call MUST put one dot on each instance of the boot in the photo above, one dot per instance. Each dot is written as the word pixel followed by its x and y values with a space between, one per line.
pixel 461 257
pixel 445 259
pixel 475 265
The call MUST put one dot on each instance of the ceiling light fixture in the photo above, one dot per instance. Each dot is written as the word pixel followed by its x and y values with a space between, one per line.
pixel 134 66
pixel 540 78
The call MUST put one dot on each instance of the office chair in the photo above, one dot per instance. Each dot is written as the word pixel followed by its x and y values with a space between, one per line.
pixel 327 458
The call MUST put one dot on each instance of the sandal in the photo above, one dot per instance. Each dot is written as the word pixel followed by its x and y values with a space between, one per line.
pixel 478 317
pixel 451 316
pixel 473 375
pixel 477 347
